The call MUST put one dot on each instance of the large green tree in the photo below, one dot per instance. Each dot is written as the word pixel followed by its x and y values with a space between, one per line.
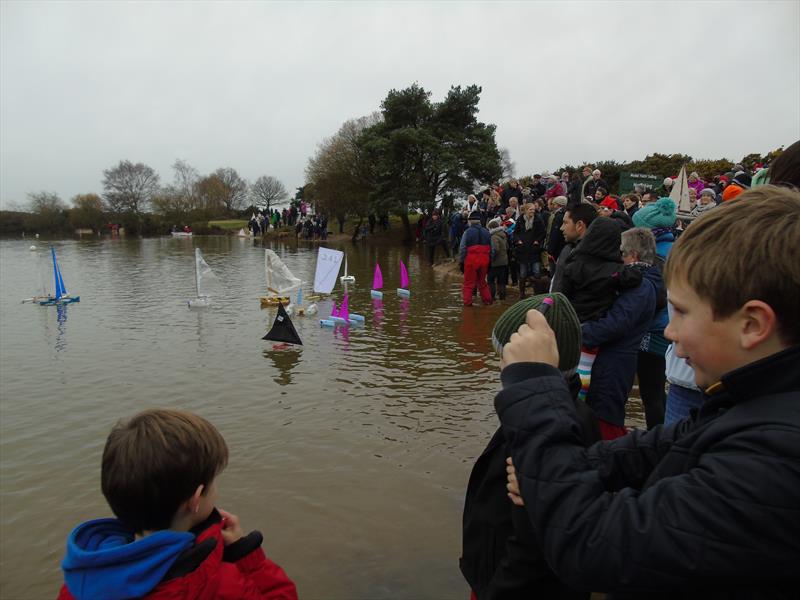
pixel 425 153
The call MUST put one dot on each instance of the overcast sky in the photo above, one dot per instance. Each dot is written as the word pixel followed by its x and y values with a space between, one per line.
pixel 256 85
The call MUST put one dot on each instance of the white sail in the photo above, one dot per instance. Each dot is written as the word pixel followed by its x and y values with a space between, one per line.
pixel 328 263
pixel 204 276
pixel 44 269
pixel 280 279
pixel 680 192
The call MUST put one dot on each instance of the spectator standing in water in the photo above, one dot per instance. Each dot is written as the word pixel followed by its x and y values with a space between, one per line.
pixel 475 257
pixel 434 235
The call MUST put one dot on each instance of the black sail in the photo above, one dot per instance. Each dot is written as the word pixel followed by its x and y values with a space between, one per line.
pixel 283 329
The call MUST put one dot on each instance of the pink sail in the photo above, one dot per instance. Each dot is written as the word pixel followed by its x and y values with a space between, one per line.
pixel 343 312
pixel 334 310
pixel 403 276
pixel 377 279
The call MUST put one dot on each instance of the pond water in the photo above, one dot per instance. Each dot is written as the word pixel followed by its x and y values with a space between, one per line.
pixel 350 454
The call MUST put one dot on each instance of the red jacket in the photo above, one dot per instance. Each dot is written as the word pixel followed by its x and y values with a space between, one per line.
pixel 201 573
pixel 555 191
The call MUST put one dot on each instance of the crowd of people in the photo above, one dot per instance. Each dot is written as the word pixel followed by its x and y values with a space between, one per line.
pixel 261 220
pixel 565 500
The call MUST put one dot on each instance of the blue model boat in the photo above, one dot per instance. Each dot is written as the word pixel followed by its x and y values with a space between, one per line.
pixel 61 296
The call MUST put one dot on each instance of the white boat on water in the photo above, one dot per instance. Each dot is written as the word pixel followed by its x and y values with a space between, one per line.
pixel 181 234
pixel 280 280
pixel 346 278
pixel 204 278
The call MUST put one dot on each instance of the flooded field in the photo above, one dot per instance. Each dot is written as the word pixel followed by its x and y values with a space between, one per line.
pixel 350 454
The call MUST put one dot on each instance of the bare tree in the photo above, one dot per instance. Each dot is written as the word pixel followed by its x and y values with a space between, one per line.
pixel 44 202
pixel 49 211
pixel 235 197
pixel 266 191
pixel 508 165
pixel 185 182
pixel 338 176
pixel 128 187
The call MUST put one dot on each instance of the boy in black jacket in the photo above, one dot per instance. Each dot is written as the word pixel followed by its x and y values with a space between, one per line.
pixel 706 507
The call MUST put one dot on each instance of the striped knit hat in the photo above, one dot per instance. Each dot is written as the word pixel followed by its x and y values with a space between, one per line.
pixel 560 316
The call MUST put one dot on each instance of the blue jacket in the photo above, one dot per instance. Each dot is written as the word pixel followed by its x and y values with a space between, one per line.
pixel 618 334
pixel 664 240
pixel 475 235
pixel 104 561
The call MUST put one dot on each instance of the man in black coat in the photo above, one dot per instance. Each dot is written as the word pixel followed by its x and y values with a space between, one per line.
pixel 433 234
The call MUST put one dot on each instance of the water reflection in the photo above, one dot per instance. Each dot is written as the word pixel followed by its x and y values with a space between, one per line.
pixel 377 314
pixel 285 361
pixel 473 334
pixel 404 306
pixel 61 327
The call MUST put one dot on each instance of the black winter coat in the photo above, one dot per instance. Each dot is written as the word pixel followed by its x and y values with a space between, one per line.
pixel 556 240
pixel 704 508
pixel 500 558
pixel 591 273
pixel 528 242
pixel 590 187
pixel 433 232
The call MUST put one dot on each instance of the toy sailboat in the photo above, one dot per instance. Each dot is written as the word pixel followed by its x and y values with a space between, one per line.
pixel 60 294
pixel 346 278
pixel 333 319
pixel 377 283
pixel 299 309
pixel 203 277
pixel 351 318
pixel 680 195
pixel 283 329
pixel 403 289
pixel 280 281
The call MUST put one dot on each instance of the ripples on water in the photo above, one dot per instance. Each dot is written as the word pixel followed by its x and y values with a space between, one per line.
pixel 350 454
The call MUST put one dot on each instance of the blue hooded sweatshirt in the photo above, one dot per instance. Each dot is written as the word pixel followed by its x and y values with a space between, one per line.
pixel 104 560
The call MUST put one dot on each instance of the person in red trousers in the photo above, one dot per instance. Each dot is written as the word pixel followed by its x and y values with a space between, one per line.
pixel 474 259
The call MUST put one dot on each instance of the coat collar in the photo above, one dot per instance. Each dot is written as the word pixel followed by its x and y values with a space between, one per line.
pixel 773 374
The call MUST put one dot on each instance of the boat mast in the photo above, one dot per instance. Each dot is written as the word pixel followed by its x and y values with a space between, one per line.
pixel 267 269
pixel 197 271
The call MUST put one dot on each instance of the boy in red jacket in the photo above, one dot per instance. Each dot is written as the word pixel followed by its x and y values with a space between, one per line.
pixel 169 541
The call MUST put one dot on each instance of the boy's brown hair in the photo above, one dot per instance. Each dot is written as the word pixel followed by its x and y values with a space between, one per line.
pixel 745 249
pixel 155 461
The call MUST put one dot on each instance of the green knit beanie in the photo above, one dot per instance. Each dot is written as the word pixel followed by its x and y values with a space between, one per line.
pixel 560 316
